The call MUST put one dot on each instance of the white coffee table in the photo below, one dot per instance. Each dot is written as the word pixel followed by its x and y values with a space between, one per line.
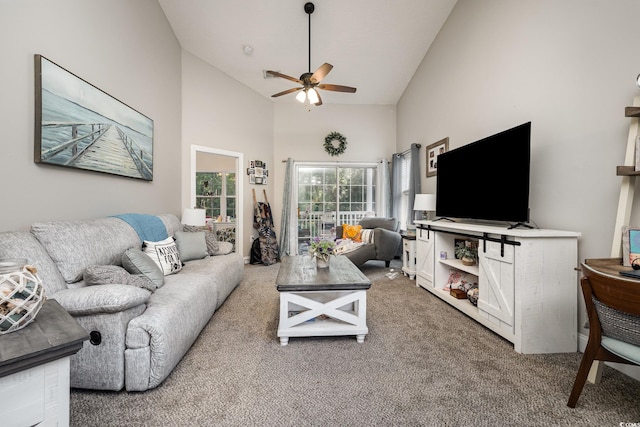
pixel 322 302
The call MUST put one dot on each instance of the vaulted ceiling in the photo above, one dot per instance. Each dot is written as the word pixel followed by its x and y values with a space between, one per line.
pixel 373 45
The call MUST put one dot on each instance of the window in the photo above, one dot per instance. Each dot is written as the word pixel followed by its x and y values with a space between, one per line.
pixel 216 192
pixel 333 195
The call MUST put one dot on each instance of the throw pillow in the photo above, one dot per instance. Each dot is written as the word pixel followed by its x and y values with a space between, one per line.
pixel 209 237
pixel 138 263
pixel 191 245
pixel 113 274
pixel 165 254
pixel 224 248
pixel 105 275
pixel 352 232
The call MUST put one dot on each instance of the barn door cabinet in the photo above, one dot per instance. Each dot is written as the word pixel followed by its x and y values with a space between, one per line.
pixel 527 280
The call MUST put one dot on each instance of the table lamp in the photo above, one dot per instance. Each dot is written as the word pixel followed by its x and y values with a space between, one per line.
pixel 194 216
pixel 425 203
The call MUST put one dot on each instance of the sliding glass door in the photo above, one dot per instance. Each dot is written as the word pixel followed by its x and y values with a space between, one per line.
pixel 330 195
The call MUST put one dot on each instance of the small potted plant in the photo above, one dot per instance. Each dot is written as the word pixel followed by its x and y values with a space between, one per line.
pixel 467 252
pixel 321 250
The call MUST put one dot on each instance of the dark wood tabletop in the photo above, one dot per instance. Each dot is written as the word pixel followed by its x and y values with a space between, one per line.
pixel 53 334
pixel 607 265
pixel 342 274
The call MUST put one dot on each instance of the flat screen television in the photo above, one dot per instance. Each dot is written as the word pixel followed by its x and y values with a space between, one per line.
pixel 487 179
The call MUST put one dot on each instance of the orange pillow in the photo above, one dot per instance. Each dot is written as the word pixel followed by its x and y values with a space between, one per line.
pixel 352 232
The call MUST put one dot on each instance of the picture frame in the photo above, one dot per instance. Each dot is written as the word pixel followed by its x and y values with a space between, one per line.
pixel 630 245
pixel 432 152
pixel 77 125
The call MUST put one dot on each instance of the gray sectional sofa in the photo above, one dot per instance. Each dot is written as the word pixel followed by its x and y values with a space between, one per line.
pixel 138 334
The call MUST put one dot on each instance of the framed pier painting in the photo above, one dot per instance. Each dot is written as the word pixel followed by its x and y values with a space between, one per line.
pixel 78 125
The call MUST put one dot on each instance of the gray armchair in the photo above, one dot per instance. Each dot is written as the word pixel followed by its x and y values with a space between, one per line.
pixel 386 241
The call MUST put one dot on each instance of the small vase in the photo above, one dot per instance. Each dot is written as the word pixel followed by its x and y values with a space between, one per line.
pixel 320 263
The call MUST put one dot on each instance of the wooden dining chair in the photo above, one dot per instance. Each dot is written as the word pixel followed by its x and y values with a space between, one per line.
pixel 613 307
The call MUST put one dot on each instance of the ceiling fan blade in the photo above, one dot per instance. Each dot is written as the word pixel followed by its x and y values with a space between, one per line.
pixel 319 100
pixel 338 88
pixel 284 76
pixel 284 92
pixel 321 72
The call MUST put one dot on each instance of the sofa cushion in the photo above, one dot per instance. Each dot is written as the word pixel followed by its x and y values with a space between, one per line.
pixel 101 299
pixel 165 254
pixel 22 244
pixel 138 263
pixel 191 245
pixel 379 222
pixel 224 248
pixel 75 245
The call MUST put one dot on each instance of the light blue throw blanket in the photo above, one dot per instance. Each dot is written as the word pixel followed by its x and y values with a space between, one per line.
pixel 148 227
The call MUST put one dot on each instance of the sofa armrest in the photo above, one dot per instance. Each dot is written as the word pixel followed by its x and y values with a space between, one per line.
pixel 101 299
pixel 387 243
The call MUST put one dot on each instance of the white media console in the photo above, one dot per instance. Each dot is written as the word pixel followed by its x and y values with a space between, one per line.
pixel 527 280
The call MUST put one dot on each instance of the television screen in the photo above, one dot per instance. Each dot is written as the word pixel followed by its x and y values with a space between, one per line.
pixel 487 179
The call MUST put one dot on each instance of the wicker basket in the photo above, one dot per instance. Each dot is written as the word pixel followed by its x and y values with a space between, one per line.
pixel 21 294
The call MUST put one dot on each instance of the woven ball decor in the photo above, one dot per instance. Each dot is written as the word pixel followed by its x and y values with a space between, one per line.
pixel 21 294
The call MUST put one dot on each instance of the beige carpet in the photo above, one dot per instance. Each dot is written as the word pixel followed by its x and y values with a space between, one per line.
pixel 422 364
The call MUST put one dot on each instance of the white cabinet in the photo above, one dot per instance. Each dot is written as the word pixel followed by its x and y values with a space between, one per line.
pixel 409 256
pixel 527 280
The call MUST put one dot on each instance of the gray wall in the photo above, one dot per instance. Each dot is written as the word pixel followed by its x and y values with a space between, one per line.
pixel 569 67
pixel 125 48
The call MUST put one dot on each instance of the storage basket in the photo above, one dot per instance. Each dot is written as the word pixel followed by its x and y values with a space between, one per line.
pixel 21 294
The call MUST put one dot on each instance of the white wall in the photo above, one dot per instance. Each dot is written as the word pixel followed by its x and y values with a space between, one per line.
pixel 299 134
pixel 126 49
pixel 219 112
pixel 569 67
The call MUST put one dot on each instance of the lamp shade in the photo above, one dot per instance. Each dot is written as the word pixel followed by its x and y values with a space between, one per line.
pixel 424 202
pixel 193 216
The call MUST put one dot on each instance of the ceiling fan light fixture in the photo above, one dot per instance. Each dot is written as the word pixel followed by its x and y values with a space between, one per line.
pixel 309 80
pixel 313 96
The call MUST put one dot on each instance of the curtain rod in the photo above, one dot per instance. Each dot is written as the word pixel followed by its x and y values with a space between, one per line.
pixel 408 150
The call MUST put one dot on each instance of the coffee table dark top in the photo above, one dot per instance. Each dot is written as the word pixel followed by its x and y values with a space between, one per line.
pixel 341 275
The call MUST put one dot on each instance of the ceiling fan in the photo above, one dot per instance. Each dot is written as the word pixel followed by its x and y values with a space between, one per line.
pixel 311 81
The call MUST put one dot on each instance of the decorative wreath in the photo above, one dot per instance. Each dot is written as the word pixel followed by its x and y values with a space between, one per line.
pixel 330 148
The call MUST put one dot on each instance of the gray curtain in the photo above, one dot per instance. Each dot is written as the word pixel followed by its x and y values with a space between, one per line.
pixel 396 185
pixel 285 222
pixel 386 190
pixel 414 183
pixel 414 180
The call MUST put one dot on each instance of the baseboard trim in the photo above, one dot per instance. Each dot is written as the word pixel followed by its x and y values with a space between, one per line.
pixel 630 370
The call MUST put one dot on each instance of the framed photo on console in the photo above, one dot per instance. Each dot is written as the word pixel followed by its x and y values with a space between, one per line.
pixel 433 151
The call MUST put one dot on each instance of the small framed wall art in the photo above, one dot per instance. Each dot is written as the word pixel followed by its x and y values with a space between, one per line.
pixel 257 172
pixel 433 151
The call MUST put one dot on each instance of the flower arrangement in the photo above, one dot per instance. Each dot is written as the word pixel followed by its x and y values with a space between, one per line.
pixel 322 248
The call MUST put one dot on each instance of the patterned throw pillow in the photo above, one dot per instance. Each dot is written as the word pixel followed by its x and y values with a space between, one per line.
pixel 165 254
pixel 352 232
